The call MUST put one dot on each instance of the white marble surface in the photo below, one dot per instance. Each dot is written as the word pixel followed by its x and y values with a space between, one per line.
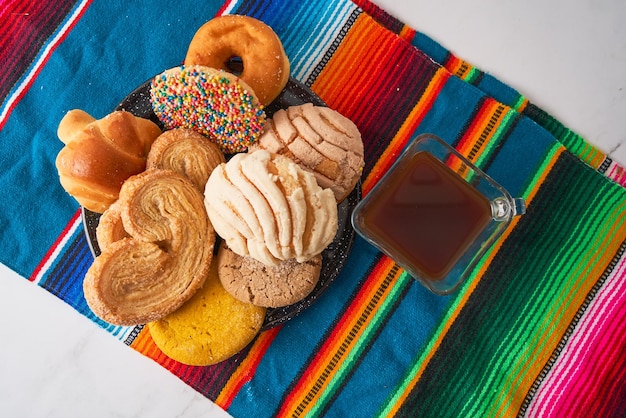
pixel 567 56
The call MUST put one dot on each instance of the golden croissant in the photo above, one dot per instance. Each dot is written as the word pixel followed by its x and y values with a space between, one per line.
pixel 99 155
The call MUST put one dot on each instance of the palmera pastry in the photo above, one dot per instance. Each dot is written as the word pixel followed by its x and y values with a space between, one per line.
pixel 215 103
pixel 264 64
pixel 110 226
pixel 186 152
pixel 166 257
pixel 99 155
pixel 321 140
pixel 210 327
pixel 265 206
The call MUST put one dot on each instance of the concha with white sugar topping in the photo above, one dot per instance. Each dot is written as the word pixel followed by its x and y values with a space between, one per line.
pixel 266 206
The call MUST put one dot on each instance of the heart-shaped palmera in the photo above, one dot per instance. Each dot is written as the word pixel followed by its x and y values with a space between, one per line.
pixel 163 262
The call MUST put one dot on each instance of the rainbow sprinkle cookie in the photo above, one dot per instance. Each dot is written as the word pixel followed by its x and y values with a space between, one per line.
pixel 213 102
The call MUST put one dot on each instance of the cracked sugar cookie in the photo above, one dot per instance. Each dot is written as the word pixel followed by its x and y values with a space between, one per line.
pixel 273 286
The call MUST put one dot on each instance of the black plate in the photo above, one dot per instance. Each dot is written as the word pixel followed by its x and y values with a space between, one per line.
pixel 334 256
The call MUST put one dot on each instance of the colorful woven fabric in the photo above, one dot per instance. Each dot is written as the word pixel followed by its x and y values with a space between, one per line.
pixel 538 330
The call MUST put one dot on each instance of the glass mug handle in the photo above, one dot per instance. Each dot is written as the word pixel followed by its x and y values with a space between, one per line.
pixel 503 209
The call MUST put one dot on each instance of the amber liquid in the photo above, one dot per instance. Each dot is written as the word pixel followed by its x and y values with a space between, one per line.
pixel 428 214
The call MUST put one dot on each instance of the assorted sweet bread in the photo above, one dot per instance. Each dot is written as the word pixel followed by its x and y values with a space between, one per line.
pixel 181 150
pixel 213 102
pixel 187 152
pixel 110 226
pixel 99 155
pixel 266 190
pixel 275 286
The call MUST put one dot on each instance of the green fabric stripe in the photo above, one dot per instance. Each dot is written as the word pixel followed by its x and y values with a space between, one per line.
pixel 492 331
pixel 542 168
pixel 471 75
pixel 520 101
pixel 518 332
pixel 571 140
pixel 496 140
pixel 354 355
pixel 521 332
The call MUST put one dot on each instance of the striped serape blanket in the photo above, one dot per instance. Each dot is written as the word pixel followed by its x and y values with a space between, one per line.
pixel 539 329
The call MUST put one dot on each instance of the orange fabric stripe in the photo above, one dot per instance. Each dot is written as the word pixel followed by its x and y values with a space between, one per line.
pixel 407 33
pixel 144 344
pixel 521 106
pixel 591 155
pixel 458 67
pixel 453 64
pixel 354 48
pixel 482 129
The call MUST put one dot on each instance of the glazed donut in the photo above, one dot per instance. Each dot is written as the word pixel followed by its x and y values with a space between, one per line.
pixel 224 39
pixel 213 102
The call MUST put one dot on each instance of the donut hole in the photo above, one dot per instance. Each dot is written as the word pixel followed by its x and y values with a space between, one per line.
pixel 234 65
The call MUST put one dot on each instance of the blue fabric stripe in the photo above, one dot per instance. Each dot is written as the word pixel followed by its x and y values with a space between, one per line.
pixel 498 90
pixel 430 47
pixel 411 325
pixel 520 155
pixel 309 29
pixel 73 263
pixel 440 121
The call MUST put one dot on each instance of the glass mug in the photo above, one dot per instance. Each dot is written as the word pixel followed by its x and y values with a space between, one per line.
pixel 435 213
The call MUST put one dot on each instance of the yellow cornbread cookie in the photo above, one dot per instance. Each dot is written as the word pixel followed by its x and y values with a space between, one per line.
pixel 209 328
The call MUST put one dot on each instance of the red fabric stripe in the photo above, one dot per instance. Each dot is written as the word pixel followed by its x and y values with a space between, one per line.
pixel 54 246
pixel 482 108
pixel 223 8
pixel 25 27
pixel 245 372
pixel 38 69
